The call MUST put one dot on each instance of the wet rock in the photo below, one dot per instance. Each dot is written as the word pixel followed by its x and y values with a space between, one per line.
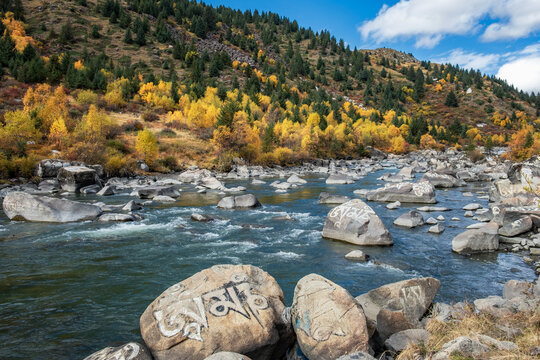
pixel 436 229
pixel 328 322
pixel 257 182
pixel 23 206
pixel 357 255
pixel 90 189
pixel 399 341
pixel 212 183
pixel 357 223
pixel 472 207
pixel 468 214
pixel 237 308
pixel 201 217
pixel 421 192
pixel 116 218
pixel 225 355
pixel 326 198
pixel 393 206
pixel 73 178
pixel 410 220
pixel 283 218
pixel 464 346
pixel 399 306
pixel 238 202
pixel 163 199
pixel 131 351
pixel 194 175
pixel 432 209
pixel 339 179
pixel 281 185
pixel 432 221
pixel 472 241
pixel 440 218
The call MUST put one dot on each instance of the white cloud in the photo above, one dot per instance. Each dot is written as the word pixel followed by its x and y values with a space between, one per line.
pixel 471 60
pixel 523 73
pixel 523 19
pixel 429 21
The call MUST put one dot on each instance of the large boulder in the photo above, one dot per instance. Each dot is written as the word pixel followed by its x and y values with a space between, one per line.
pixel 441 180
pixel 517 227
pixel 237 308
pixel 485 239
pixel 49 168
pixel 194 175
pixel 327 320
pixel 421 192
pixel 411 219
pixel 73 178
pixel 23 206
pixel 212 183
pixel 399 306
pixel 504 190
pixel 129 351
pixel 399 341
pixel 239 202
pixel 356 222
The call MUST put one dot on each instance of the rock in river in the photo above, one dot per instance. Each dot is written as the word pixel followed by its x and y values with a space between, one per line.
pixel 441 180
pixel 339 179
pixel 327 320
pixel 420 192
pixel 73 178
pixel 242 201
pixel 326 198
pixel 410 219
pixel 355 222
pixel 237 308
pixel 131 351
pixel 23 206
pixel 484 239
pixel 399 306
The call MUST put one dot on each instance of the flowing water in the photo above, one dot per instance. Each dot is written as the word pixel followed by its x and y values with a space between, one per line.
pixel 69 290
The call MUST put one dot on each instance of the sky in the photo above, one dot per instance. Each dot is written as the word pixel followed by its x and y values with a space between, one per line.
pixel 498 37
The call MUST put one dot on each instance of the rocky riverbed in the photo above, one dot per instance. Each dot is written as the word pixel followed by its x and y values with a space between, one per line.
pixel 85 255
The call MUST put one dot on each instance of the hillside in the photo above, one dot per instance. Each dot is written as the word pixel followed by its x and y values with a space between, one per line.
pixel 177 83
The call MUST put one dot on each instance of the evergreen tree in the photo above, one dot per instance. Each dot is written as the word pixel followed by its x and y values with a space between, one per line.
pixel 419 90
pixel 66 33
pixel 128 38
pixel 529 140
pixel 451 99
pixel 140 38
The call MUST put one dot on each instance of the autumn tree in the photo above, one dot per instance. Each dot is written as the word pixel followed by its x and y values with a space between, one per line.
pixel 58 133
pixel 147 146
pixel 95 124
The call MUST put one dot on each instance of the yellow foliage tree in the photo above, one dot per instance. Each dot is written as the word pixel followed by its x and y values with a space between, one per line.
pixel 95 124
pixel 147 146
pixel 427 142
pixel 19 128
pixel 58 133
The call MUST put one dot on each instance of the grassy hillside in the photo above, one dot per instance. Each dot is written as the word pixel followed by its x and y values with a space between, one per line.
pixel 176 83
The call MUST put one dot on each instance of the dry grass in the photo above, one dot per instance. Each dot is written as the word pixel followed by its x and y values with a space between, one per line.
pixel 485 324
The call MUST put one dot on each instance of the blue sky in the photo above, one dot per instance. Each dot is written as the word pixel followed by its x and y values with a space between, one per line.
pixel 500 37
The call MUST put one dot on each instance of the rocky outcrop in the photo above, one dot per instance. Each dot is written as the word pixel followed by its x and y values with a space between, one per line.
pixel 23 206
pixel 237 308
pixel 472 241
pixel 421 192
pixel 73 178
pixel 399 306
pixel 327 320
pixel 131 351
pixel 356 222
pixel 239 202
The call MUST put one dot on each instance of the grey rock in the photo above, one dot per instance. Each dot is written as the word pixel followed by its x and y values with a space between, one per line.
pixel 73 178
pixel 116 218
pixel 132 206
pixel 225 355
pixel 357 255
pixel 393 206
pixel 23 206
pixel 359 355
pixel 432 209
pixel 151 192
pixel 432 221
pixel 436 229
pixel 339 179
pixel 355 222
pixel 410 220
pixel 241 201
pixel 484 239
pixel 201 217
pixel 441 180
pixel 295 179
pixel 517 227
pixel 462 345
pixel 90 189
pixel 163 199
pixel 472 207
pixel 326 198
pixel 399 341
pixel 107 190
pixel 421 192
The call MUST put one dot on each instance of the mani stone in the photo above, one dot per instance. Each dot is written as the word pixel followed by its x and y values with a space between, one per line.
pixel 473 241
pixel 131 351
pixel 410 219
pixel 355 222
pixel 237 308
pixel 399 306
pixel 23 206
pixel 73 178
pixel 241 201
pixel 420 192
pixel 516 227
pixel 328 322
